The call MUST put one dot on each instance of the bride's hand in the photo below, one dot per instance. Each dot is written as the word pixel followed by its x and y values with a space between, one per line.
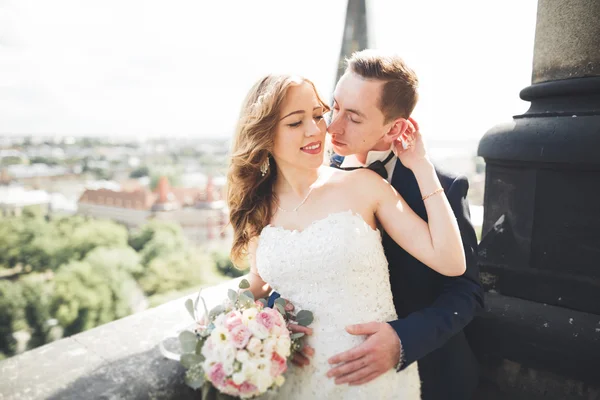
pixel 415 154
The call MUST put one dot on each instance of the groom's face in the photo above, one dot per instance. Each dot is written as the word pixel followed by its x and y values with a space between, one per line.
pixel 357 124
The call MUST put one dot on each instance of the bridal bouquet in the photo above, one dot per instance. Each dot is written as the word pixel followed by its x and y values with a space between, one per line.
pixel 242 348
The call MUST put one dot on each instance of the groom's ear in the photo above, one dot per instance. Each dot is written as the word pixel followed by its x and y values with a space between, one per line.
pixel 398 127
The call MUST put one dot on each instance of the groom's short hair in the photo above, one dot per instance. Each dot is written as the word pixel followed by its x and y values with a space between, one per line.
pixel 399 93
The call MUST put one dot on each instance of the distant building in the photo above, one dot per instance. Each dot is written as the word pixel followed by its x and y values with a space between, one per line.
pixel 13 199
pixel 37 176
pixel 201 214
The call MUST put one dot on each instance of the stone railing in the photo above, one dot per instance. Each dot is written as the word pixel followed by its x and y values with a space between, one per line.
pixel 121 360
pixel 118 360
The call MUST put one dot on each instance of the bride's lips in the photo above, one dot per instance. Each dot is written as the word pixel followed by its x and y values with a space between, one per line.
pixel 312 148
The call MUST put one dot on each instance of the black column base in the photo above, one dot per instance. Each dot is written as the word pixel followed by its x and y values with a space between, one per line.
pixel 540 248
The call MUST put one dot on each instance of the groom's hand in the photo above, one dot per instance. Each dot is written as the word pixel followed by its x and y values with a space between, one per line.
pixel 301 358
pixel 378 354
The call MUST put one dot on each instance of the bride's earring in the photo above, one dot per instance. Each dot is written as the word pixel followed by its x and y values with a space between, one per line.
pixel 264 167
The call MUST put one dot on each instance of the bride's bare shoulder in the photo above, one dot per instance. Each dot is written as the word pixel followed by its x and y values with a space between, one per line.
pixel 361 175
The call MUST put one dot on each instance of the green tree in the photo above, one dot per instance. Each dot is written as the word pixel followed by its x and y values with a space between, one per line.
pixel 45 160
pixel 139 239
pixel 140 172
pixel 225 266
pixel 94 233
pixel 12 160
pixel 86 296
pixel 123 258
pixel 11 230
pixel 174 272
pixel 37 293
pixel 12 305
pixel 173 176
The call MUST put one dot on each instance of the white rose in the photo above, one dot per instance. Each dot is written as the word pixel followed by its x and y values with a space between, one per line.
pixel 249 315
pixel 220 336
pixel 220 320
pixel 283 346
pixel 258 330
pixel 250 369
pixel 276 330
pixel 269 345
pixel 254 345
pixel 239 377
pixel 280 380
pixel 226 356
pixel 263 380
pixel 242 356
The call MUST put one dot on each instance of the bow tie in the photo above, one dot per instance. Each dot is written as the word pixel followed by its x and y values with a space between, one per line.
pixel 376 166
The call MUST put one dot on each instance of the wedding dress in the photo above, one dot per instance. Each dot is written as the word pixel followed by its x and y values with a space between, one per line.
pixel 337 269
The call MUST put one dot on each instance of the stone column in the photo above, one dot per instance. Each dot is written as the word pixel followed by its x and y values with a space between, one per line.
pixel 540 250
pixel 355 33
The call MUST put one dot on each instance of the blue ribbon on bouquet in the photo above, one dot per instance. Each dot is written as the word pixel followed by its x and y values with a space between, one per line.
pixel 271 301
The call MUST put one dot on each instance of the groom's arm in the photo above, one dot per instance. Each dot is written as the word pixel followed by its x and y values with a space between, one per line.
pixel 428 329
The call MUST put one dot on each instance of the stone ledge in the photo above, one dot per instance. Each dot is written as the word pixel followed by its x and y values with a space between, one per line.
pixel 119 360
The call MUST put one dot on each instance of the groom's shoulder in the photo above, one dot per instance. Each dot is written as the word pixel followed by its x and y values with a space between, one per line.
pixel 450 178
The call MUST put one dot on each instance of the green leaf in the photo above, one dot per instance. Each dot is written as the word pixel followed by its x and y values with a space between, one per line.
pixel 197 300
pixel 207 391
pixel 296 335
pixel 263 302
pixel 248 294
pixel 199 345
pixel 280 309
pixel 232 294
pixel 304 318
pixel 189 304
pixel 188 341
pixel 245 301
pixel 281 301
pixel 244 284
pixel 189 360
pixel 194 377
pixel 204 305
pixel 215 312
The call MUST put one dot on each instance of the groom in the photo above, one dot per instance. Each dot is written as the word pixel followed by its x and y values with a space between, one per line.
pixel 376 93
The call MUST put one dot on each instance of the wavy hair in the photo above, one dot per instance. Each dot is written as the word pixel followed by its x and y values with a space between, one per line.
pixel 250 195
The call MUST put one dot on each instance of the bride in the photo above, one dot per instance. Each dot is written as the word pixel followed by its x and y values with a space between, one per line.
pixel 311 231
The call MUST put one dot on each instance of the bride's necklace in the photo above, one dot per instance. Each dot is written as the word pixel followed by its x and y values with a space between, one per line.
pixel 301 203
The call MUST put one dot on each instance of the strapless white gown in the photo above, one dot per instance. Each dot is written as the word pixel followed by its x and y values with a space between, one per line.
pixel 337 269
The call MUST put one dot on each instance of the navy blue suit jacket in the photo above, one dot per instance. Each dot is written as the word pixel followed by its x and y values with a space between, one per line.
pixel 434 309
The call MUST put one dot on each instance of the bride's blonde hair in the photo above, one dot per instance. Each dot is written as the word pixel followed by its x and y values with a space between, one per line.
pixel 250 196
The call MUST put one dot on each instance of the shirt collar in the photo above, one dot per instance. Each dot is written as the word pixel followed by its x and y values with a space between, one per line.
pixel 372 156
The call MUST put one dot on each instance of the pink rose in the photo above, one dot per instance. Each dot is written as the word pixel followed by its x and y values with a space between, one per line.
pixel 240 335
pixel 217 375
pixel 265 319
pixel 247 388
pixel 232 320
pixel 278 365
pixel 277 317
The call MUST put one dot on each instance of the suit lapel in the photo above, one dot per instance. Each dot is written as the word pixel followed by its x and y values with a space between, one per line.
pixel 336 161
pixel 405 183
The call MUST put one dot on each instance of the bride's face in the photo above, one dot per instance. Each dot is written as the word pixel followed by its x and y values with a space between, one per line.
pixel 300 133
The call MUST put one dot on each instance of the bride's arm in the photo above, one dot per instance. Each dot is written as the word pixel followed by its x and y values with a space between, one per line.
pixel 258 287
pixel 436 243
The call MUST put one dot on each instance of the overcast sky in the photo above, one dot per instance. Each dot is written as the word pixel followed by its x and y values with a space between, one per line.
pixel 182 67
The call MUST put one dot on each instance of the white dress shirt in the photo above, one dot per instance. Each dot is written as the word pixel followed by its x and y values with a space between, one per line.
pixel 372 156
